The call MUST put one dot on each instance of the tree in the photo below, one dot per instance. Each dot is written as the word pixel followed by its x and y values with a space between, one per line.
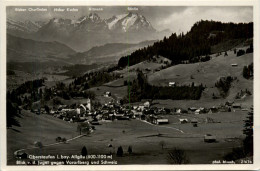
pixel 130 150
pixel 47 109
pixel 247 149
pixel 177 156
pixel 240 52
pixel 84 127
pixel 248 131
pixel 84 151
pixel 226 54
pixel 12 114
pixel 120 151
pixel 162 144
pixel 245 72
pixel 58 139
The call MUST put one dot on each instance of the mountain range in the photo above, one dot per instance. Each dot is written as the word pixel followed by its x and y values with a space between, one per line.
pixel 88 31
pixel 27 50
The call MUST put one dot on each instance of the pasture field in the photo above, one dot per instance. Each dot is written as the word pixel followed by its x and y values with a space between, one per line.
pixel 144 138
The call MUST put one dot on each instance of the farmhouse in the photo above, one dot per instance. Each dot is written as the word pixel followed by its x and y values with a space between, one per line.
pixel 172 84
pixel 229 103
pixel 141 107
pixel 213 110
pixel 209 138
pixel 88 104
pixel 194 120
pixel 192 109
pixel 198 111
pixel 137 114
pixel 160 121
pixel 36 107
pixel 237 106
pixel 107 94
pixel 184 121
pixel 179 111
pixel 147 104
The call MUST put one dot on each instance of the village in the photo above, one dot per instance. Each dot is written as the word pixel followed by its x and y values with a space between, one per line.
pixel 145 112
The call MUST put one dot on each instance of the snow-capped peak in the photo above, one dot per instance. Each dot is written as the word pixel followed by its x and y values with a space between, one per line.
pixel 129 21
pixel 94 17
pixel 24 26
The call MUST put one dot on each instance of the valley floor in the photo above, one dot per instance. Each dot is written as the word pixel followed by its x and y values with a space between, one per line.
pixel 144 138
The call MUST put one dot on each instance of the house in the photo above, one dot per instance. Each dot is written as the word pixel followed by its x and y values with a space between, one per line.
pixel 209 138
pixel 135 107
pixel 213 110
pixel 160 121
pixel 237 106
pixel 223 109
pixel 229 103
pixel 147 104
pixel 137 114
pixel 172 84
pixel 120 116
pixel 141 107
pixel 107 94
pixel 184 121
pixel 147 69
pixel 198 111
pixel 194 121
pixel 193 109
pixel 89 104
pixel 179 111
pixel 36 107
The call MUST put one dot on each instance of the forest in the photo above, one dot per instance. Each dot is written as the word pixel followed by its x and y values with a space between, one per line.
pixel 195 43
pixel 141 89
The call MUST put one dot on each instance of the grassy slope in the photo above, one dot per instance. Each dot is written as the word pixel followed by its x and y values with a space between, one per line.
pixel 33 128
pixel 207 73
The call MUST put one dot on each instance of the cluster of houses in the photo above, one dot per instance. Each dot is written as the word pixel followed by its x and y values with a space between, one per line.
pixel 143 111
pixel 110 111
pixel 227 107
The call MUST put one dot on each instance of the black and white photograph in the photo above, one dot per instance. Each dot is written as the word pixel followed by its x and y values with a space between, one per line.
pixel 129 85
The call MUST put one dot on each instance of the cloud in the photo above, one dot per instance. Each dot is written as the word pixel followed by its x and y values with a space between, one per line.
pixel 183 21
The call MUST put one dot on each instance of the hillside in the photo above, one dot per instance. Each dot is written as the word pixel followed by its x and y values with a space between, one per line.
pixel 27 50
pixel 191 46
pixel 208 73
pixel 37 128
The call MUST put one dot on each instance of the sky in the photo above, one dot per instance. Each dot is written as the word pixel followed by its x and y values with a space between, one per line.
pixel 176 18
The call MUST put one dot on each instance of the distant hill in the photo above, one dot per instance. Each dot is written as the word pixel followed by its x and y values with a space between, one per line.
pixel 26 50
pixel 108 53
pixel 197 42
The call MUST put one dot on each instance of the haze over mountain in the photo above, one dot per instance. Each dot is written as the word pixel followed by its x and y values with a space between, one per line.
pixel 88 31
pixel 26 50
pixel 107 53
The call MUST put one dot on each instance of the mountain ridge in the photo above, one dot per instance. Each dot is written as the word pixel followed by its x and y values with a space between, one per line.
pixel 88 31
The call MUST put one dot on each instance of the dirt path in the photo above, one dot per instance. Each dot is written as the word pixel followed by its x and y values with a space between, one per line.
pixel 181 131
pixel 48 145
pixel 164 126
